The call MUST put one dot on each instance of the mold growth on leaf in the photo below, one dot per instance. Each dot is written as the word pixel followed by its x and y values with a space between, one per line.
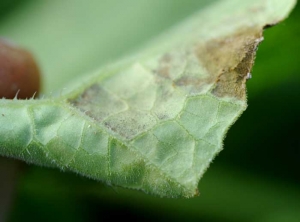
pixel 158 88
pixel 98 103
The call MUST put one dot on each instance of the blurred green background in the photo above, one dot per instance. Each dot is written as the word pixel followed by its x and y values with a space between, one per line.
pixel 255 178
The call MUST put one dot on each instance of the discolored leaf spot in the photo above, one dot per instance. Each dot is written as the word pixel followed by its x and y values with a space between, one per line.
pixel 19 73
pixel 229 61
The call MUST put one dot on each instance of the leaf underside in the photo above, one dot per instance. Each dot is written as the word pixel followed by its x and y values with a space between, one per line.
pixel 155 121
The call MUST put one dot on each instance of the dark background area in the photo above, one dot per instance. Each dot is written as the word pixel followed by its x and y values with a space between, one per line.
pixel 255 178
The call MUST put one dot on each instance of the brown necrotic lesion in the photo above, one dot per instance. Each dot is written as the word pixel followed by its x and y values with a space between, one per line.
pixel 229 61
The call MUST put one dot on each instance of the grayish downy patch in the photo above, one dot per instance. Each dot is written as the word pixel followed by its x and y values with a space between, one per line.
pixel 98 103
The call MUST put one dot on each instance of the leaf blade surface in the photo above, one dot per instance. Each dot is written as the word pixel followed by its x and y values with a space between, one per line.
pixel 154 121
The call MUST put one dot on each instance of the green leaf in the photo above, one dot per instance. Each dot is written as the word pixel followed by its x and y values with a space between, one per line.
pixel 155 120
